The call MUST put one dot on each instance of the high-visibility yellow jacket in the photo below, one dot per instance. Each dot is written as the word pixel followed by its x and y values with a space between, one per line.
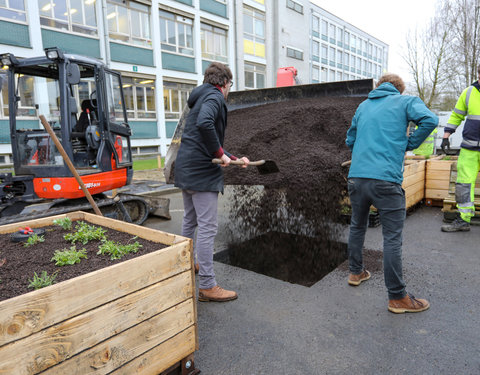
pixel 467 107
pixel 426 148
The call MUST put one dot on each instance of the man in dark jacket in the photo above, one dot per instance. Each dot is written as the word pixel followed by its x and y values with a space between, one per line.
pixel 200 179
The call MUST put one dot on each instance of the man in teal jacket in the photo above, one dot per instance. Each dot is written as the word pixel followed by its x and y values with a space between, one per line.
pixel 378 140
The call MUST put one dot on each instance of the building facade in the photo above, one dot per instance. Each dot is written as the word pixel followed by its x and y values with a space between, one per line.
pixel 162 48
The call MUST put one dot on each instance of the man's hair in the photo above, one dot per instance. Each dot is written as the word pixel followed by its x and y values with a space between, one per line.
pixel 394 79
pixel 217 74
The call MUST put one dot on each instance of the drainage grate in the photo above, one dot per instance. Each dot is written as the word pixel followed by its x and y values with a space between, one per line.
pixel 294 258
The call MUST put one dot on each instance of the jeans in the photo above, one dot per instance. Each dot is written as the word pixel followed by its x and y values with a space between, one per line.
pixel 389 199
pixel 200 213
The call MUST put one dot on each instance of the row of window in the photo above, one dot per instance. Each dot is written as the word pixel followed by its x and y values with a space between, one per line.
pixel 343 38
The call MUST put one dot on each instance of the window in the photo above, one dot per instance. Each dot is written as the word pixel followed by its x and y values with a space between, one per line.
pixel 352 66
pixel 339 59
pixel 346 61
pixel 295 6
pixel 294 53
pixel 332 32
pixel 347 39
pixel 4 96
pixel 331 56
pixel 315 51
pixel 175 97
pixel 353 45
pixel 324 30
pixel 324 75
pixel 315 74
pixel 331 75
pixel 254 76
pixel 176 33
pixel 359 66
pixel 139 96
pixel 253 32
pixel 316 24
pixel 71 15
pixel 339 76
pixel 129 22
pixel 324 54
pixel 13 10
pixel 339 36
pixel 214 43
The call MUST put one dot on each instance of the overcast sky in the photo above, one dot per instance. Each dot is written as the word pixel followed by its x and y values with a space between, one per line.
pixel 386 20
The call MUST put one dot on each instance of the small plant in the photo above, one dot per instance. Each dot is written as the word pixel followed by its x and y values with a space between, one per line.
pixel 117 250
pixel 33 240
pixel 84 233
pixel 65 223
pixel 42 281
pixel 69 257
pixel 447 158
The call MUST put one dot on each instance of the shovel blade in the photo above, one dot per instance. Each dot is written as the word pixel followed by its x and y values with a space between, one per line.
pixel 268 167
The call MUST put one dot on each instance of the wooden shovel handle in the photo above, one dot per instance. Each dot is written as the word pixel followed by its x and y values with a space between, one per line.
pixel 239 162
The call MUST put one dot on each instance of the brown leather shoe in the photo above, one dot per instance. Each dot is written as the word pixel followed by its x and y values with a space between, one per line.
pixel 197 267
pixel 407 304
pixel 216 294
pixel 356 280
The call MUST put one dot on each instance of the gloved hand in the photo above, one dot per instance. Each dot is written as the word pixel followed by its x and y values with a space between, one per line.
pixel 445 144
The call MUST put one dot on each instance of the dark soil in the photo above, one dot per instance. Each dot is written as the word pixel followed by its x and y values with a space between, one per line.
pixel 306 139
pixel 297 259
pixel 18 263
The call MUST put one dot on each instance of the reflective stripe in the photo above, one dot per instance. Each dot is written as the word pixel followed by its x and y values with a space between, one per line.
pixel 471 143
pixel 453 126
pixel 465 210
pixel 473 117
pixel 466 205
pixel 467 99
pixel 460 112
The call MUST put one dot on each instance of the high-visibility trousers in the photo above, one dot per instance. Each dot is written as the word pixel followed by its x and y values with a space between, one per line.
pixel 468 165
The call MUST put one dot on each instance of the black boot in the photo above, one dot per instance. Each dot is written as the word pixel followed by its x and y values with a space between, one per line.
pixel 457 225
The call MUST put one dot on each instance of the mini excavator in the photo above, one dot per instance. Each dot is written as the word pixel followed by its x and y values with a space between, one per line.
pixel 97 141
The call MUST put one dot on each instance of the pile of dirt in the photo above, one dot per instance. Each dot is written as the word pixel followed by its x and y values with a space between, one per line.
pixel 306 139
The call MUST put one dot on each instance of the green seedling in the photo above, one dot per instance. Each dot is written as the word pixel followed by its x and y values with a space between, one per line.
pixel 65 223
pixel 117 250
pixel 33 240
pixel 42 281
pixel 84 233
pixel 69 257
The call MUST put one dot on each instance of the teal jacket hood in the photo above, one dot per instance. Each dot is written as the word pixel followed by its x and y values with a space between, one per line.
pixel 378 134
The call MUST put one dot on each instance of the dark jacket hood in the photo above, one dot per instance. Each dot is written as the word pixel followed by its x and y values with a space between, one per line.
pixel 199 92
pixel 384 89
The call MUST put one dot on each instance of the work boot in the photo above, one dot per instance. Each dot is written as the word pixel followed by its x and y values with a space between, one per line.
pixel 216 294
pixel 457 225
pixel 407 304
pixel 356 280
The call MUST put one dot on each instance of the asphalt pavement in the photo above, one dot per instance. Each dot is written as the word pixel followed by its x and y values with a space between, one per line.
pixel 276 327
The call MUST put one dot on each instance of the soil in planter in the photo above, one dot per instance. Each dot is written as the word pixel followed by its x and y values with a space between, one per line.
pixel 306 138
pixel 18 263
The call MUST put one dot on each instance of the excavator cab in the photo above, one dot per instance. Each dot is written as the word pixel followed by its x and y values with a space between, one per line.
pixel 83 102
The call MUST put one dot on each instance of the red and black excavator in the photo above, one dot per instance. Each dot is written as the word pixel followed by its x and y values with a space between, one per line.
pixel 97 141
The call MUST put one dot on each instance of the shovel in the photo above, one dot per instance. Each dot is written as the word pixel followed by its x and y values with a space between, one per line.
pixel 263 166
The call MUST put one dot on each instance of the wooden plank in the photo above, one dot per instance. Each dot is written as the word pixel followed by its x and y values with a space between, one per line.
pixel 118 350
pixel 162 356
pixel 439 165
pixel 436 193
pixel 413 189
pixel 413 179
pixel 147 233
pixel 42 222
pixel 44 349
pixel 414 199
pixel 31 312
pixel 437 184
pixel 432 174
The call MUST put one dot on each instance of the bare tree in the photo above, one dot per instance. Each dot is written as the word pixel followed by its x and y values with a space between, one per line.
pixel 443 58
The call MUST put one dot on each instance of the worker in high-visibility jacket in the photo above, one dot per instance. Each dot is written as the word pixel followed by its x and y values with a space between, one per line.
pixel 468 164
pixel 426 148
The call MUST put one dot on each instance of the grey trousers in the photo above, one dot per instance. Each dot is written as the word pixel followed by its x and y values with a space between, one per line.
pixel 389 199
pixel 200 213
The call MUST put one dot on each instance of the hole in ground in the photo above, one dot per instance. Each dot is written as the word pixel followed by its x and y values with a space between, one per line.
pixel 294 258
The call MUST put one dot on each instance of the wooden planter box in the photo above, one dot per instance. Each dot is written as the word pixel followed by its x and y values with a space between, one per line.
pixel 135 317
pixel 414 181
pixel 437 180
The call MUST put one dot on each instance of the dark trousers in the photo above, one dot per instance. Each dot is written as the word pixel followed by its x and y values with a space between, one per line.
pixel 389 199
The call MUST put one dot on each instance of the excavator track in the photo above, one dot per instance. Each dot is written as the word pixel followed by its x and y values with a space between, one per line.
pixel 136 207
